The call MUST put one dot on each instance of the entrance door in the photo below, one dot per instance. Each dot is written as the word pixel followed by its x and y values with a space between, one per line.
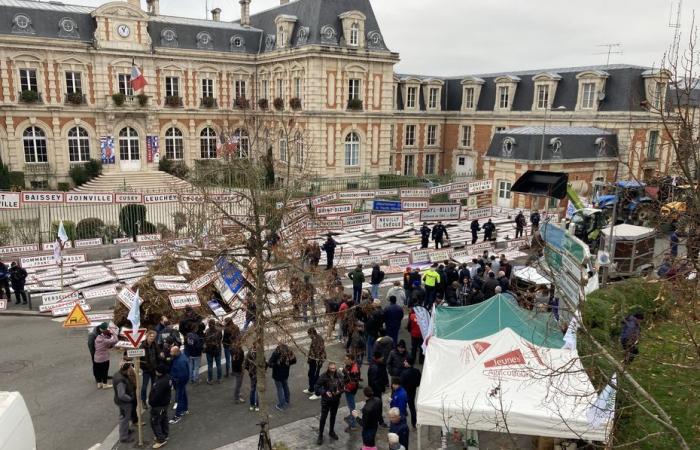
pixel 408 165
pixel 129 150
pixel 464 166
pixel 504 194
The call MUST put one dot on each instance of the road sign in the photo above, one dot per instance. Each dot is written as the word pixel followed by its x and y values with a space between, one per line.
pixel 386 205
pixel 135 352
pixel 76 318
pixel 135 336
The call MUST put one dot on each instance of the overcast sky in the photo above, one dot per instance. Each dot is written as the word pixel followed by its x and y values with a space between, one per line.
pixel 454 37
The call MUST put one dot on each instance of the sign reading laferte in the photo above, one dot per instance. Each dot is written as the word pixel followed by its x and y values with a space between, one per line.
pixel 388 222
pixel 440 212
pixel 9 200
pixel 334 210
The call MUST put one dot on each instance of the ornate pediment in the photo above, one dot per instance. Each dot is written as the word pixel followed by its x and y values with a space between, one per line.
pixel 121 10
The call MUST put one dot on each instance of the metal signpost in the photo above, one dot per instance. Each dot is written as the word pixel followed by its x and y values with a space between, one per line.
pixel 135 337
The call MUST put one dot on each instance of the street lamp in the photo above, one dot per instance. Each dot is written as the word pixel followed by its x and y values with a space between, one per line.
pixel 544 129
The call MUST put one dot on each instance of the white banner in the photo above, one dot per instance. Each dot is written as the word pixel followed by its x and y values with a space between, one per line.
pixel 324 224
pixel 58 311
pixel 181 301
pixel 420 256
pixel 128 198
pixel 415 193
pixel 388 222
pixel 160 198
pixel 400 260
pixel 440 255
pixel 386 192
pixel 459 195
pixel 357 220
pixel 169 278
pixel 126 296
pixel 55 297
pixel 204 280
pixel 88 242
pixel 93 282
pixel 29 262
pixel 440 212
pixel 43 197
pixel 334 210
pixel 84 197
pixel 29 248
pixel 9 200
pixel 49 246
pixel 102 291
pixel 414 205
pixel 368 260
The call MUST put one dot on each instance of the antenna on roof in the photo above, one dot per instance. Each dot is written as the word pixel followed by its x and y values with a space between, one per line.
pixel 613 49
pixel 675 23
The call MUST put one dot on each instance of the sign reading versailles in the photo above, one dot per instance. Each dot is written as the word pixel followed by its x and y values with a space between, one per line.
pixel 440 212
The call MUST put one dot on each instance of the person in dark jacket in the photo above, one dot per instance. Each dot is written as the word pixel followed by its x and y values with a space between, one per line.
pixel 631 332
pixel 489 288
pixel 439 235
pixel 377 377
pixel 189 322
pixel 535 220
pixel 393 315
pixel 351 383
pixel 398 426
pixel 250 312
pixel 417 295
pixel 476 297
pixel 503 281
pixel 231 334
pixel 4 281
pixel 124 396
pixel 410 380
pixel 395 363
pixel 442 282
pixel 424 235
pixel 475 227
pixel 159 401
pixel 149 362
pixel 194 345
pixel 315 358
pixel 212 348
pixel 451 274
pixel 237 360
pixel 375 280
pixel 371 417
pixel 357 277
pixel 180 375
pixel 373 323
pixel 18 278
pixel 384 344
pixel 452 295
pixel 329 247
pixel 330 388
pixel 489 228
pixel 520 223
pixel 250 365
pixel 280 361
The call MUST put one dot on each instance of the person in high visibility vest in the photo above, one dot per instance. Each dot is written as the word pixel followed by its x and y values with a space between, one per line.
pixel 431 279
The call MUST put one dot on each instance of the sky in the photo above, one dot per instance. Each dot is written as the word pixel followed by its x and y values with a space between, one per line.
pixel 457 37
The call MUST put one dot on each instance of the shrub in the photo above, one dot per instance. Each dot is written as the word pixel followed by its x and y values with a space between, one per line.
pixel 26 230
pixel 278 103
pixel 74 98
pixel 164 231
pixel 64 187
pixel 118 98
pixel 109 232
pixel 130 216
pixel 10 180
pixel 17 180
pixel 5 234
pixel 29 96
pixel 295 103
pixel 90 228
pixel 149 228
pixel 263 103
pixel 180 220
pixel 68 225
pixel 355 104
pixel 173 101
pixel 143 99
pixel 81 174
pixel 4 177
pixel 175 168
pixel 208 102
pixel 242 103
pixel 93 168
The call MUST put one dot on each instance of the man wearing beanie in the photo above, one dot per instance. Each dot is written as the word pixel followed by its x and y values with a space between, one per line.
pixel 159 400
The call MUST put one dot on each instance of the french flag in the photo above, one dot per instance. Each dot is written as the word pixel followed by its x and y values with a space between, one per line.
pixel 138 81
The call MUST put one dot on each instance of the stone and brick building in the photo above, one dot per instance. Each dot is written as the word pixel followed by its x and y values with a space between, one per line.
pixel 61 66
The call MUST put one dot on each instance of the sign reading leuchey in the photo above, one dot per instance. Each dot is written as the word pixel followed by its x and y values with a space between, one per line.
pixel 440 212
pixel 388 222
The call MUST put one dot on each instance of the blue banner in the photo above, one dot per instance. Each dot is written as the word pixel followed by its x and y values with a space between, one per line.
pixel 107 149
pixel 232 276
pixel 386 205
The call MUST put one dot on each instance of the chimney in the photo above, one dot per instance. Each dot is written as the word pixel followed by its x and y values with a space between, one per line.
pixel 245 12
pixel 216 14
pixel 153 7
pixel 284 2
pixel 135 3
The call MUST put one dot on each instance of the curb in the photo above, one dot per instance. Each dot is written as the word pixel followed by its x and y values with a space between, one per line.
pixel 12 313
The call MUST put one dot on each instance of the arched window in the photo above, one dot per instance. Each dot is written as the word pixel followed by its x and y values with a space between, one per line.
pixel 283 147
pixel 129 145
pixel 78 145
pixel 354 35
pixel 34 141
pixel 207 143
pixel 299 143
pixel 352 149
pixel 240 138
pixel 174 144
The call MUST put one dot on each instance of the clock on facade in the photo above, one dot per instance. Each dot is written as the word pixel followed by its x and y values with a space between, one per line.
pixel 123 30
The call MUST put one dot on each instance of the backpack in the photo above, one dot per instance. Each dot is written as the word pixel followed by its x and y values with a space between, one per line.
pixel 194 342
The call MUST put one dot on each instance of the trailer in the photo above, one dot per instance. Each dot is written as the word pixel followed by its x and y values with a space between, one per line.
pixel 633 249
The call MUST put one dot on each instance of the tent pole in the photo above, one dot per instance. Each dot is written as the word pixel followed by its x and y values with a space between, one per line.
pixel 420 444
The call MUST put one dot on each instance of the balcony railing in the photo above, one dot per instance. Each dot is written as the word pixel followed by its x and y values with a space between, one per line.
pixel 30 96
pixel 75 98
pixel 37 168
pixel 208 102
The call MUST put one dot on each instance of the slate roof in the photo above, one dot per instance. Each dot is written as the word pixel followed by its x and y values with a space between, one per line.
pixel 561 143
pixel 45 18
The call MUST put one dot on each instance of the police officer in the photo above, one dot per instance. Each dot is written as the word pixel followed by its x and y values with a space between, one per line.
pixel 424 235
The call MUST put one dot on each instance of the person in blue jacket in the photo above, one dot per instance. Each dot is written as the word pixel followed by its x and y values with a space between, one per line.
pixel 399 398
pixel 393 315
pixel 180 375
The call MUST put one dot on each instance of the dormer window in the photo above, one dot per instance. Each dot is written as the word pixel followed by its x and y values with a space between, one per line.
pixel 588 96
pixel 412 94
pixel 471 90
pixel 542 96
pixel 656 85
pixel 433 98
pixel 545 90
pixel 506 86
pixel 591 89
pixel 432 93
pixel 354 35
pixel 504 97
pixel 285 26
pixel 353 23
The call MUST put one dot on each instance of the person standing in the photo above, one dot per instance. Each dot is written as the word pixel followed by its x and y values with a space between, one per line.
pixel 398 292
pixel 489 288
pixel 410 380
pixel 416 335
pixel 4 281
pixel 398 427
pixel 180 375
pixel 329 247
pixel 281 361
pixel 520 223
pixel 237 360
pixel 439 235
pixel 212 348
pixel 231 334
pixel 377 378
pixel 425 233
pixel 18 278
pixel 675 240
pixel 371 417
pixel 351 383
pixel 92 336
pixel 103 343
pixel 535 221
pixel 631 333
pixel 124 396
pixel 308 294
pixel 399 398
pixel 358 278
pixel 149 362
pixel 418 295
pixel 394 363
pixel 393 315
pixel 194 344
pixel 329 388
pixel 431 279
pixel 375 280
pixel 358 343
pixel 489 228
pixel 252 368
pixel 316 357
pixel 475 227
pixel 393 439
pixel 159 401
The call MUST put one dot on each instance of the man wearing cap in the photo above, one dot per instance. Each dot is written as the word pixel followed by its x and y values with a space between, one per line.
pixel 159 400
pixel 431 279
pixel 424 235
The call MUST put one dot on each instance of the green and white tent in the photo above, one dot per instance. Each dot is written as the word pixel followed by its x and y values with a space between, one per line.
pixel 497 367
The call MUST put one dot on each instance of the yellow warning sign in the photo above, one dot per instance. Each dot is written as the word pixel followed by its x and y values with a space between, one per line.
pixel 76 318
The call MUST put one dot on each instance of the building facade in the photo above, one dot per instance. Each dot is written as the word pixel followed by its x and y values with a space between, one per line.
pixel 66 96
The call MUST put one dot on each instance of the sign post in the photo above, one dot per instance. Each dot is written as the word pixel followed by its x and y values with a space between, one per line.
pixel 135 337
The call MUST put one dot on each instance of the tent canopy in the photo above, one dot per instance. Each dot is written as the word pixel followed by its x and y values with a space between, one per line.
pixel 489 317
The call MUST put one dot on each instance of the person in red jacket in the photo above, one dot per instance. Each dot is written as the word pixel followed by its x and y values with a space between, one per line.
pixel 416 336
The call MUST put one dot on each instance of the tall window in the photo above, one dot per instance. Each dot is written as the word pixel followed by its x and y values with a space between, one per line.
pixel 299 144
pixel 297 87
pixel 78 145
pixel 431 139
pixel 653 145
pixel 34 141
pixel 469 98
pixel 542 96
pixel 411 97
pixel 174 144
pixel 409 165
pixel 354 35
pixel 283 148
pixel 283 37
pixel 27 80
pixel 588 95
pixel 410 139
pixel 430 164
pixel 503 97
pixel 240 89
pixel 129 149
pixel 433 98
pixel 73 83
pixel 207 143
pixel 172 87
pixel 124 84
pixel 659 94
pixel 466 136
pixel 265 89
pixel 207 88
pixel 354 89
pixel 504 189
pixel 240 138
pixel 352 150
pixel 280 88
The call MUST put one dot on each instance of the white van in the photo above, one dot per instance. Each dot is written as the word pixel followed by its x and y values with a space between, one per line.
pixel 17 430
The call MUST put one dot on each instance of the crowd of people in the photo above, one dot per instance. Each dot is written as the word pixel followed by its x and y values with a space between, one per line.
pixel 16 276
